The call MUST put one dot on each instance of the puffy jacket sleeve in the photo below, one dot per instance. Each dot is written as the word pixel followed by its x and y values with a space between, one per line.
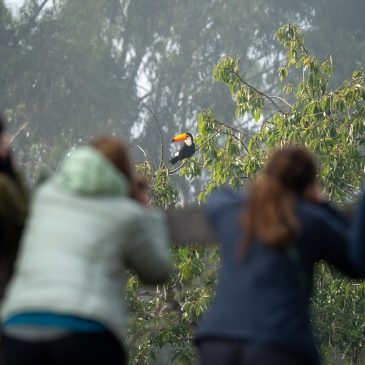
pixel 358 237
pixel 147 249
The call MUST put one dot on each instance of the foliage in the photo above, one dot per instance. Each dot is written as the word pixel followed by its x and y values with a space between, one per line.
pixel 80 68
pixel 339 308
pixel 164 317
pixel 74 69
pixel 330 123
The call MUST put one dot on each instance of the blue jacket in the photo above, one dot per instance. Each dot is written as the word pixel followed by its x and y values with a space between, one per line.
pixel 264 298
pixel 358 237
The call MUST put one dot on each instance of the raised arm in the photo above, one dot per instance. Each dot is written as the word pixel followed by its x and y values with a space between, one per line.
pixel 358 237
pixel 333 241
pixel 147 249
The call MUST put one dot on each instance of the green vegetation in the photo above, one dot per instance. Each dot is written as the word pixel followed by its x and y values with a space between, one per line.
pixel 73 69
pixel 331 123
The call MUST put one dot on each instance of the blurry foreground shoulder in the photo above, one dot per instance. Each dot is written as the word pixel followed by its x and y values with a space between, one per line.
pixel 358 237
pixel 324 212
pixel 13 202
pixel 221 199
pixel 147 249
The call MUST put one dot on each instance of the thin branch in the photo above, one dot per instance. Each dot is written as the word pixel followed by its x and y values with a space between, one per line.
pixel 266 119
pixel 160 132
pixel 31 22
pixel 272 87
pixel 303 48
pixel 236 138
pixel 16 134
pixel 258 92
pixel 207 140
pixel 144 96
pixel 143 88
pixel 282 99
pixel 40 7
pixel 140 148
pixel 243 177
pixel 234 129
pixel 300 43
pixel 171 172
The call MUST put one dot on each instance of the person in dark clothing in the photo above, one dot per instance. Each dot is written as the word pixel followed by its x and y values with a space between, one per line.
pixel 13 212
pixel 270 240
pixel 358 237
pixel 13 209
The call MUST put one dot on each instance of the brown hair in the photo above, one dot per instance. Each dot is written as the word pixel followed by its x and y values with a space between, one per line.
pixel 116 151
pixel 269 215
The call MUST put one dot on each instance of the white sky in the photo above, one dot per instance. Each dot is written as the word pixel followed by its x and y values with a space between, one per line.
pixel 14 4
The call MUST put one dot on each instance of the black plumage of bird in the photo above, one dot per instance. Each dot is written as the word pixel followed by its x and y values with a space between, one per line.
pixel 187 150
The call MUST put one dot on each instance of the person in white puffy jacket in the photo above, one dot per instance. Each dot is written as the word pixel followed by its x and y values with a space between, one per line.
pixel 88 224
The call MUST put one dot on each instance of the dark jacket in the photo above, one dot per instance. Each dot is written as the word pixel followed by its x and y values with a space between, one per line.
pixel 358 237
pixel 13 211
pixel 264 297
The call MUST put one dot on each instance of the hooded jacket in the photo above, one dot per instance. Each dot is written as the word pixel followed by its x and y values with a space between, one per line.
pixel 83 233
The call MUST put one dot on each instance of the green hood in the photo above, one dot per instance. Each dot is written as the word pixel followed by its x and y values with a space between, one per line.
pixel 87 171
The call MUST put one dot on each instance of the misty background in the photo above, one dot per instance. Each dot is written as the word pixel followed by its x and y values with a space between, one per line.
pixel 73 69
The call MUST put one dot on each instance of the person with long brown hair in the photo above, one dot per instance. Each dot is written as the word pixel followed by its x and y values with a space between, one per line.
pixel 13 212
pixel 270 240
pixel 88 224
pixel 13 208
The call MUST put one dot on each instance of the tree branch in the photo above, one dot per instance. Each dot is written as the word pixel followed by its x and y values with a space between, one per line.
pixel 303 48
pixel 207 140
pixel 171 172
pixel 236 138
pixel 282 99
pixel 258 91
pixel 16 134
pixel 160 132
pixel 40 7
pixel 234 129
pixel 140 148
pixel 32 20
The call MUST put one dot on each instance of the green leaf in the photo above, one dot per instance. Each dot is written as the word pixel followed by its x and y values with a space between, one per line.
pixel 256 114
pixel 250 145
pixel 283 72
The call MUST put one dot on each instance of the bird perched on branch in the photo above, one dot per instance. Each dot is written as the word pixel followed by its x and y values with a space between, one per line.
pixel 187 150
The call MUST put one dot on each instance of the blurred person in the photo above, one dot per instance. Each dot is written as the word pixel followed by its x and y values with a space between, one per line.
pixel 13 208
pixel 270 240
pixel 358 236
pixel 13 211
pixel 87 225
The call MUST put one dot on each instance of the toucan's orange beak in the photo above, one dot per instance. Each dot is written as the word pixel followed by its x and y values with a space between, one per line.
pixel 180 137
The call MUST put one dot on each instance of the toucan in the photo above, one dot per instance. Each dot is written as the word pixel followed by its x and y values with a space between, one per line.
pixel 187 150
